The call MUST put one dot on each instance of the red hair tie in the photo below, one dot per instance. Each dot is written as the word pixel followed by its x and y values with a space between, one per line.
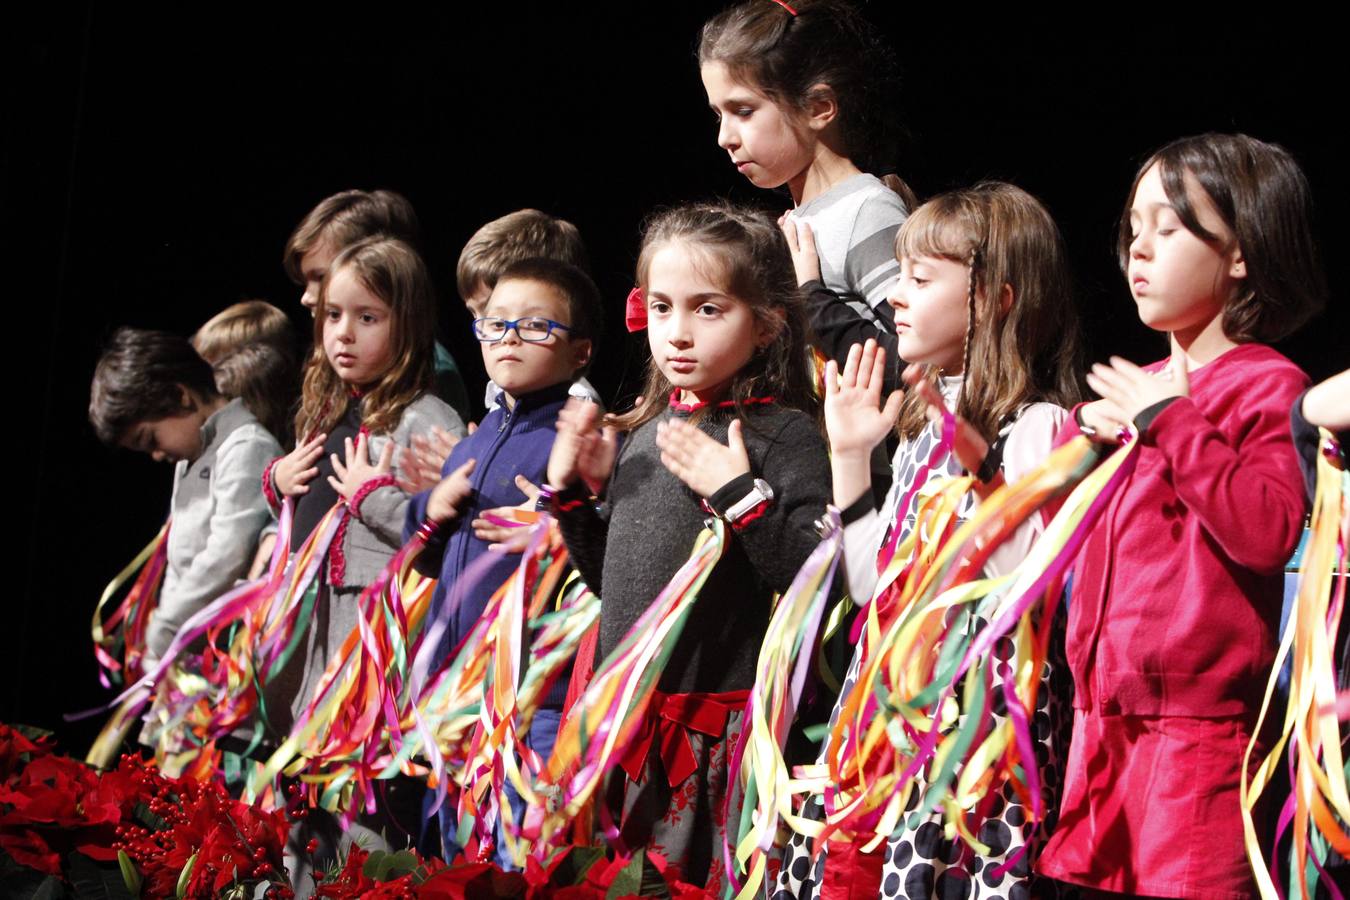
pixel 635 310
pixel 785 6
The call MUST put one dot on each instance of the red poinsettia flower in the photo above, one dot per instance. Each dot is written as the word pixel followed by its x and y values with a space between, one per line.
pixel 50 806
pixel 17 750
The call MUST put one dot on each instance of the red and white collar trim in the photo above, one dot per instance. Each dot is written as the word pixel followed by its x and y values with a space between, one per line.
pixel 677 406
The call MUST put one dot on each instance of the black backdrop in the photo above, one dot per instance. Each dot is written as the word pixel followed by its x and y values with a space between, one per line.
pixel 155 161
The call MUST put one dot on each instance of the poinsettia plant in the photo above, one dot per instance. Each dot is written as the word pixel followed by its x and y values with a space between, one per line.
pixel 67 830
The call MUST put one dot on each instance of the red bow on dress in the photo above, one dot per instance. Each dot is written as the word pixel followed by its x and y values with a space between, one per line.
pixel 669 720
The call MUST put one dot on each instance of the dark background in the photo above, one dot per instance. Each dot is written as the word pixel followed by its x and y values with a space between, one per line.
pixel 155 162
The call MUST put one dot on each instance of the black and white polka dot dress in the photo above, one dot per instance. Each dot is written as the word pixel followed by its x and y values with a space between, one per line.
pixel 918 862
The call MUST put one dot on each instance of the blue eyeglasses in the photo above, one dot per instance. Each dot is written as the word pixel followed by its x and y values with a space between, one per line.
pixel 532 329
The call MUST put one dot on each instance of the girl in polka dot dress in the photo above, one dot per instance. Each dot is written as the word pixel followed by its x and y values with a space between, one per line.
pixel 983 304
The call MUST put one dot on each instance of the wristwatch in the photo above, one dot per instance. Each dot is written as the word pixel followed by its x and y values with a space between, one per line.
pixel 760 494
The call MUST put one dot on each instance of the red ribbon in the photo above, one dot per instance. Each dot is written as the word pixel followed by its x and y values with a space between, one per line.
pixel 669 720
pixel 635 310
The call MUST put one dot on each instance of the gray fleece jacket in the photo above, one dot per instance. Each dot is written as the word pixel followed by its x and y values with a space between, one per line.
pixel 215 516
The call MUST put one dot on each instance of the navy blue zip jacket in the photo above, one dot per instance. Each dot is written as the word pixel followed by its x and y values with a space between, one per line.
pixel 509 442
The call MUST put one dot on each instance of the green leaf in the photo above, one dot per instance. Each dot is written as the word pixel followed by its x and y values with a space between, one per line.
pixel 402 862
pixel 130 877
pixel 32 732
pixel 186 875
pixel 150 820
pixel 572 869
pixel 377 866
pixel 51 888
pixel 628 883
pixel 91 880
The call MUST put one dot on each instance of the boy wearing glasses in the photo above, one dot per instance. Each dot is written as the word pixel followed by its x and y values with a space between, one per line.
pixel 537 332
pixel 495 246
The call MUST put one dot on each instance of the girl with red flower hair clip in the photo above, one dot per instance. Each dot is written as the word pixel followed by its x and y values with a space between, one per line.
pixel 727 426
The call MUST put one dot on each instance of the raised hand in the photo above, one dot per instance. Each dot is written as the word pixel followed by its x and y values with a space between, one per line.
pixel 697 459
pixel 487 530
pixel 294 471
pixel 582 449
pixel 802 243
pixel 357 469
pixel 854 417
pixel 449 493
pixel 420 464
pixel 1131 390
pixel 1105 419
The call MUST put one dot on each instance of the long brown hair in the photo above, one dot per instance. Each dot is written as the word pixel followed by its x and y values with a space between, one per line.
pixel 392 271
pixel 1031 351
pixel 751 258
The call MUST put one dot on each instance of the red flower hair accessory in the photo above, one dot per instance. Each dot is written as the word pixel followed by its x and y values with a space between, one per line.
pixel 635 310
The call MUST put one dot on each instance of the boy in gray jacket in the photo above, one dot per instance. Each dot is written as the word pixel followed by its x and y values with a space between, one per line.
pixel 153 393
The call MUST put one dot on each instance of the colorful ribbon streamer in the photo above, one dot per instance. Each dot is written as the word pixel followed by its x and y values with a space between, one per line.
pixel 901 728
pixel 1318 808
pixel 613 709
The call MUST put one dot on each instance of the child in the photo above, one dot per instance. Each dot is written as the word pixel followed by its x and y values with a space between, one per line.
pixel 153 393
pixel 727 419
pixel 523 234
pixel 509 239
pixel 343 219
pixel 538 333
pixel 512 238
pixel 983 302
pixel 366 391
pixel 1176 591
pixel 264 376
pixel 243 323
pixel 799 92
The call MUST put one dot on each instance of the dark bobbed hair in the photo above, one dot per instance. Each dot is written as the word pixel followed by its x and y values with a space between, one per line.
pixel 745 252
pixel 584 308
pixel 1263 197
pixel 826 42
pixel 347 217
pixel 523 234
pixel 1030 353
pixel 392 271
pixel 266 377
pixel 141 377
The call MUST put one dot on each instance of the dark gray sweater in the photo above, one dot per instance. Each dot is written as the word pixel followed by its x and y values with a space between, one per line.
pixel 629 549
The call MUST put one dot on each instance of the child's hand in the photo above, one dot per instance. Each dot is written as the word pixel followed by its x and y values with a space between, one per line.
pixel 854 417
pixel 1104 418
pixel 294 471
pixel 420 465
pixel 1132 390
pixel 697 459
pixel 1328 404
pixel 582 449
pixel 357 469
pixel 802 243
pixel 486 530
pixel 970 446
pixel 449 493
